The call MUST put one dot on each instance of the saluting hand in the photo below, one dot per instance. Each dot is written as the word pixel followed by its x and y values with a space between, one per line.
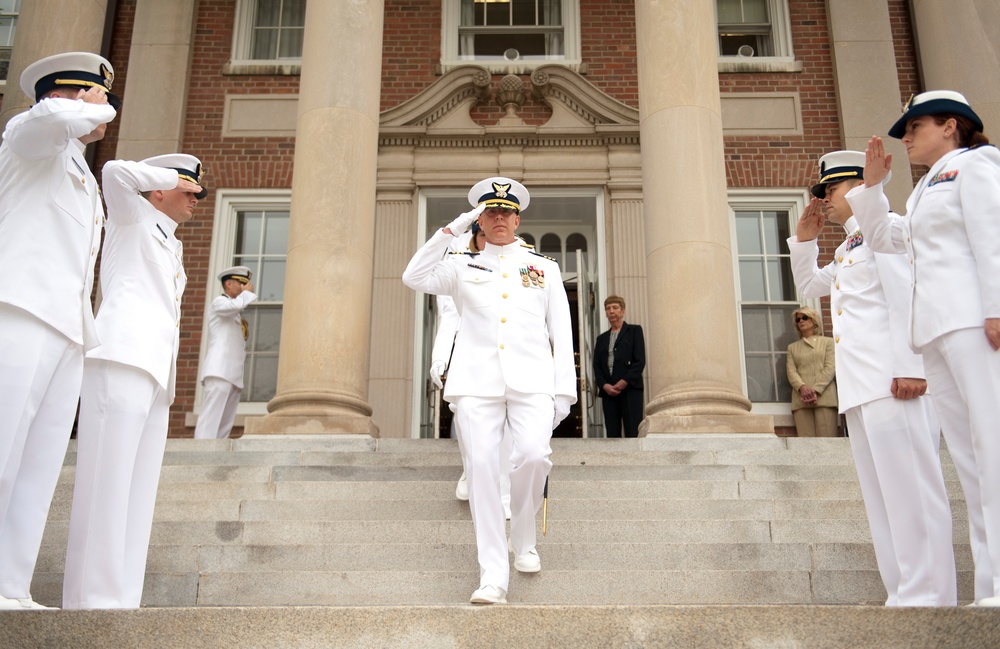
pixel 247 287
pixel 464 220
pixel 187 186
pixel 93 95
pixel 877 162
pixel 811 222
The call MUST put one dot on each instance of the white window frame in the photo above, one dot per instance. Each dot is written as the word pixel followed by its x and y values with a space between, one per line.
pixel 794 201
pixel 451 19
pixel 228 203
pixel 241 60
pixel 783 59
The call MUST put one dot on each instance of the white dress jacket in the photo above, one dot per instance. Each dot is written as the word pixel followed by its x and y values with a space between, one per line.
pixel 51 215
pixel 952 235
pixel 512 335
pixel 226 345
pixel 142 274
pixel 869 306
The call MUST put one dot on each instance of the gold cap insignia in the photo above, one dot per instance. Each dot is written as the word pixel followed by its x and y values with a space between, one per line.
pixel 501 190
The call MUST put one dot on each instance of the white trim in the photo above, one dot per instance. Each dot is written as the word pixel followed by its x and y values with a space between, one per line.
pixel 600 248
pixel 451 18
pixel 779 198
pixel 228 202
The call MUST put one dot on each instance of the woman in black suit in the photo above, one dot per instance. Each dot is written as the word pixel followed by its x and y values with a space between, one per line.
pixel 618 374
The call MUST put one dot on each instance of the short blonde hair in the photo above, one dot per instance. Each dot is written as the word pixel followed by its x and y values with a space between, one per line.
pixel 809 313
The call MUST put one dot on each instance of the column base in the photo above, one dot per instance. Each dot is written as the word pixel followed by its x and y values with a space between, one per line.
pixel 662 423
pixel 275 424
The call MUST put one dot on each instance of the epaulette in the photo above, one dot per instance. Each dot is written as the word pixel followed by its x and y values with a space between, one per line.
pixel 525 244
pixel 464 252
pixel 538 254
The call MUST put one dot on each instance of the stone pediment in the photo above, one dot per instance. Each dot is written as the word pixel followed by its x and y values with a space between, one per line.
pixel 443 108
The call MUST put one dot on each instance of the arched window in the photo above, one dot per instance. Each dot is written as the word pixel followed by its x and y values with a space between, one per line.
pixel 530 240
pixel 552 247
pixel 574 242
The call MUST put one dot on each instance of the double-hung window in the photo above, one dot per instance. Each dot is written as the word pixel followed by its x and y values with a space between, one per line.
pixel 754 35
pixel 518 34
pixel 269 31
pixel 762 222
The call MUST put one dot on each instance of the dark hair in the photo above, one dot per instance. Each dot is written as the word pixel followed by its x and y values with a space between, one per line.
pixel 968 134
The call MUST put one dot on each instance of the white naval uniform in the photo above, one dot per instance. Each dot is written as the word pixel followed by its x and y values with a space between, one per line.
pixel 128 388
pixel 895 442
pixel 513 356
pixel 51 219
pixel 952 236
pixel 222 372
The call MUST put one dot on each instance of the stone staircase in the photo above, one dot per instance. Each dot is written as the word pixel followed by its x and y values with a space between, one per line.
pixel 637 530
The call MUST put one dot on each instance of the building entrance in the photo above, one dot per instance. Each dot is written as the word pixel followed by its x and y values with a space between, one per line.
pixel 564 227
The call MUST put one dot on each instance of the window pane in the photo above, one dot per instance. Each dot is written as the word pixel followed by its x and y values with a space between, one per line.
pixel 760 379
pixel 267 333
pixel 271 287
pixel 291 44
pixel 752 281
pixel 781 324
pixel 781 284
pixel 248 227
pixel 551 12
pixel 265 44
pixel 10 6
pixel 268 13
pixel 729 11
pixel 756 337
pixel 775 231
pixel 524 12
pixel 293 14
pixel 552 246
pixel 528 239
pixel 781 373
pixel 264 372
pixel 748 234
pixel 276 235
pixel 755 11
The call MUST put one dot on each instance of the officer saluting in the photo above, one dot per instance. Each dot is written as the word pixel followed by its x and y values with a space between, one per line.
pixel 513 363
pixel 222 371
pixel 51 219
pixel 893 428
pixel 129 380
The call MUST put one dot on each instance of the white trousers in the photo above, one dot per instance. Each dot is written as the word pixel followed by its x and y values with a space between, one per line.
pixel 529 419
pixel 40 373
pixel 218 413
pixel 121 438
pixel 506 447
pixel 963 374
pixel 896 448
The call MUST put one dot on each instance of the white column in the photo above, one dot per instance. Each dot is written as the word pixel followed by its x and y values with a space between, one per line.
pixel 692 346
pixel 44 28
pixel 325 334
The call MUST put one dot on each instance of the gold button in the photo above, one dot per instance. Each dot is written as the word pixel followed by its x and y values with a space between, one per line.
pixel 840 312
pixel 505 274
pixel 838 286
pixel 83 181
pixel 502 257
pixel 503 319
pixel 505 296
pixel 177 275
pixel 501 346
pixel 840 258
pixel 850 261
pixel 837 339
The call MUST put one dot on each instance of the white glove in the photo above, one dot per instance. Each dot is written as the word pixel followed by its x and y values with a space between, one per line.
pixel 562 405
pixel 463 221
pixel 437 369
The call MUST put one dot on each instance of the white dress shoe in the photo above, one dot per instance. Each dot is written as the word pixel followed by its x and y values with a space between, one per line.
pixel 489 595
pixel 462 489
pixel 20 604
pixel 989 601
pixel 528 561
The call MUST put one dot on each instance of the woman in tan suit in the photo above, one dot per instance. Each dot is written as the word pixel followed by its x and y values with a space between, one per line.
pixel 811 371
